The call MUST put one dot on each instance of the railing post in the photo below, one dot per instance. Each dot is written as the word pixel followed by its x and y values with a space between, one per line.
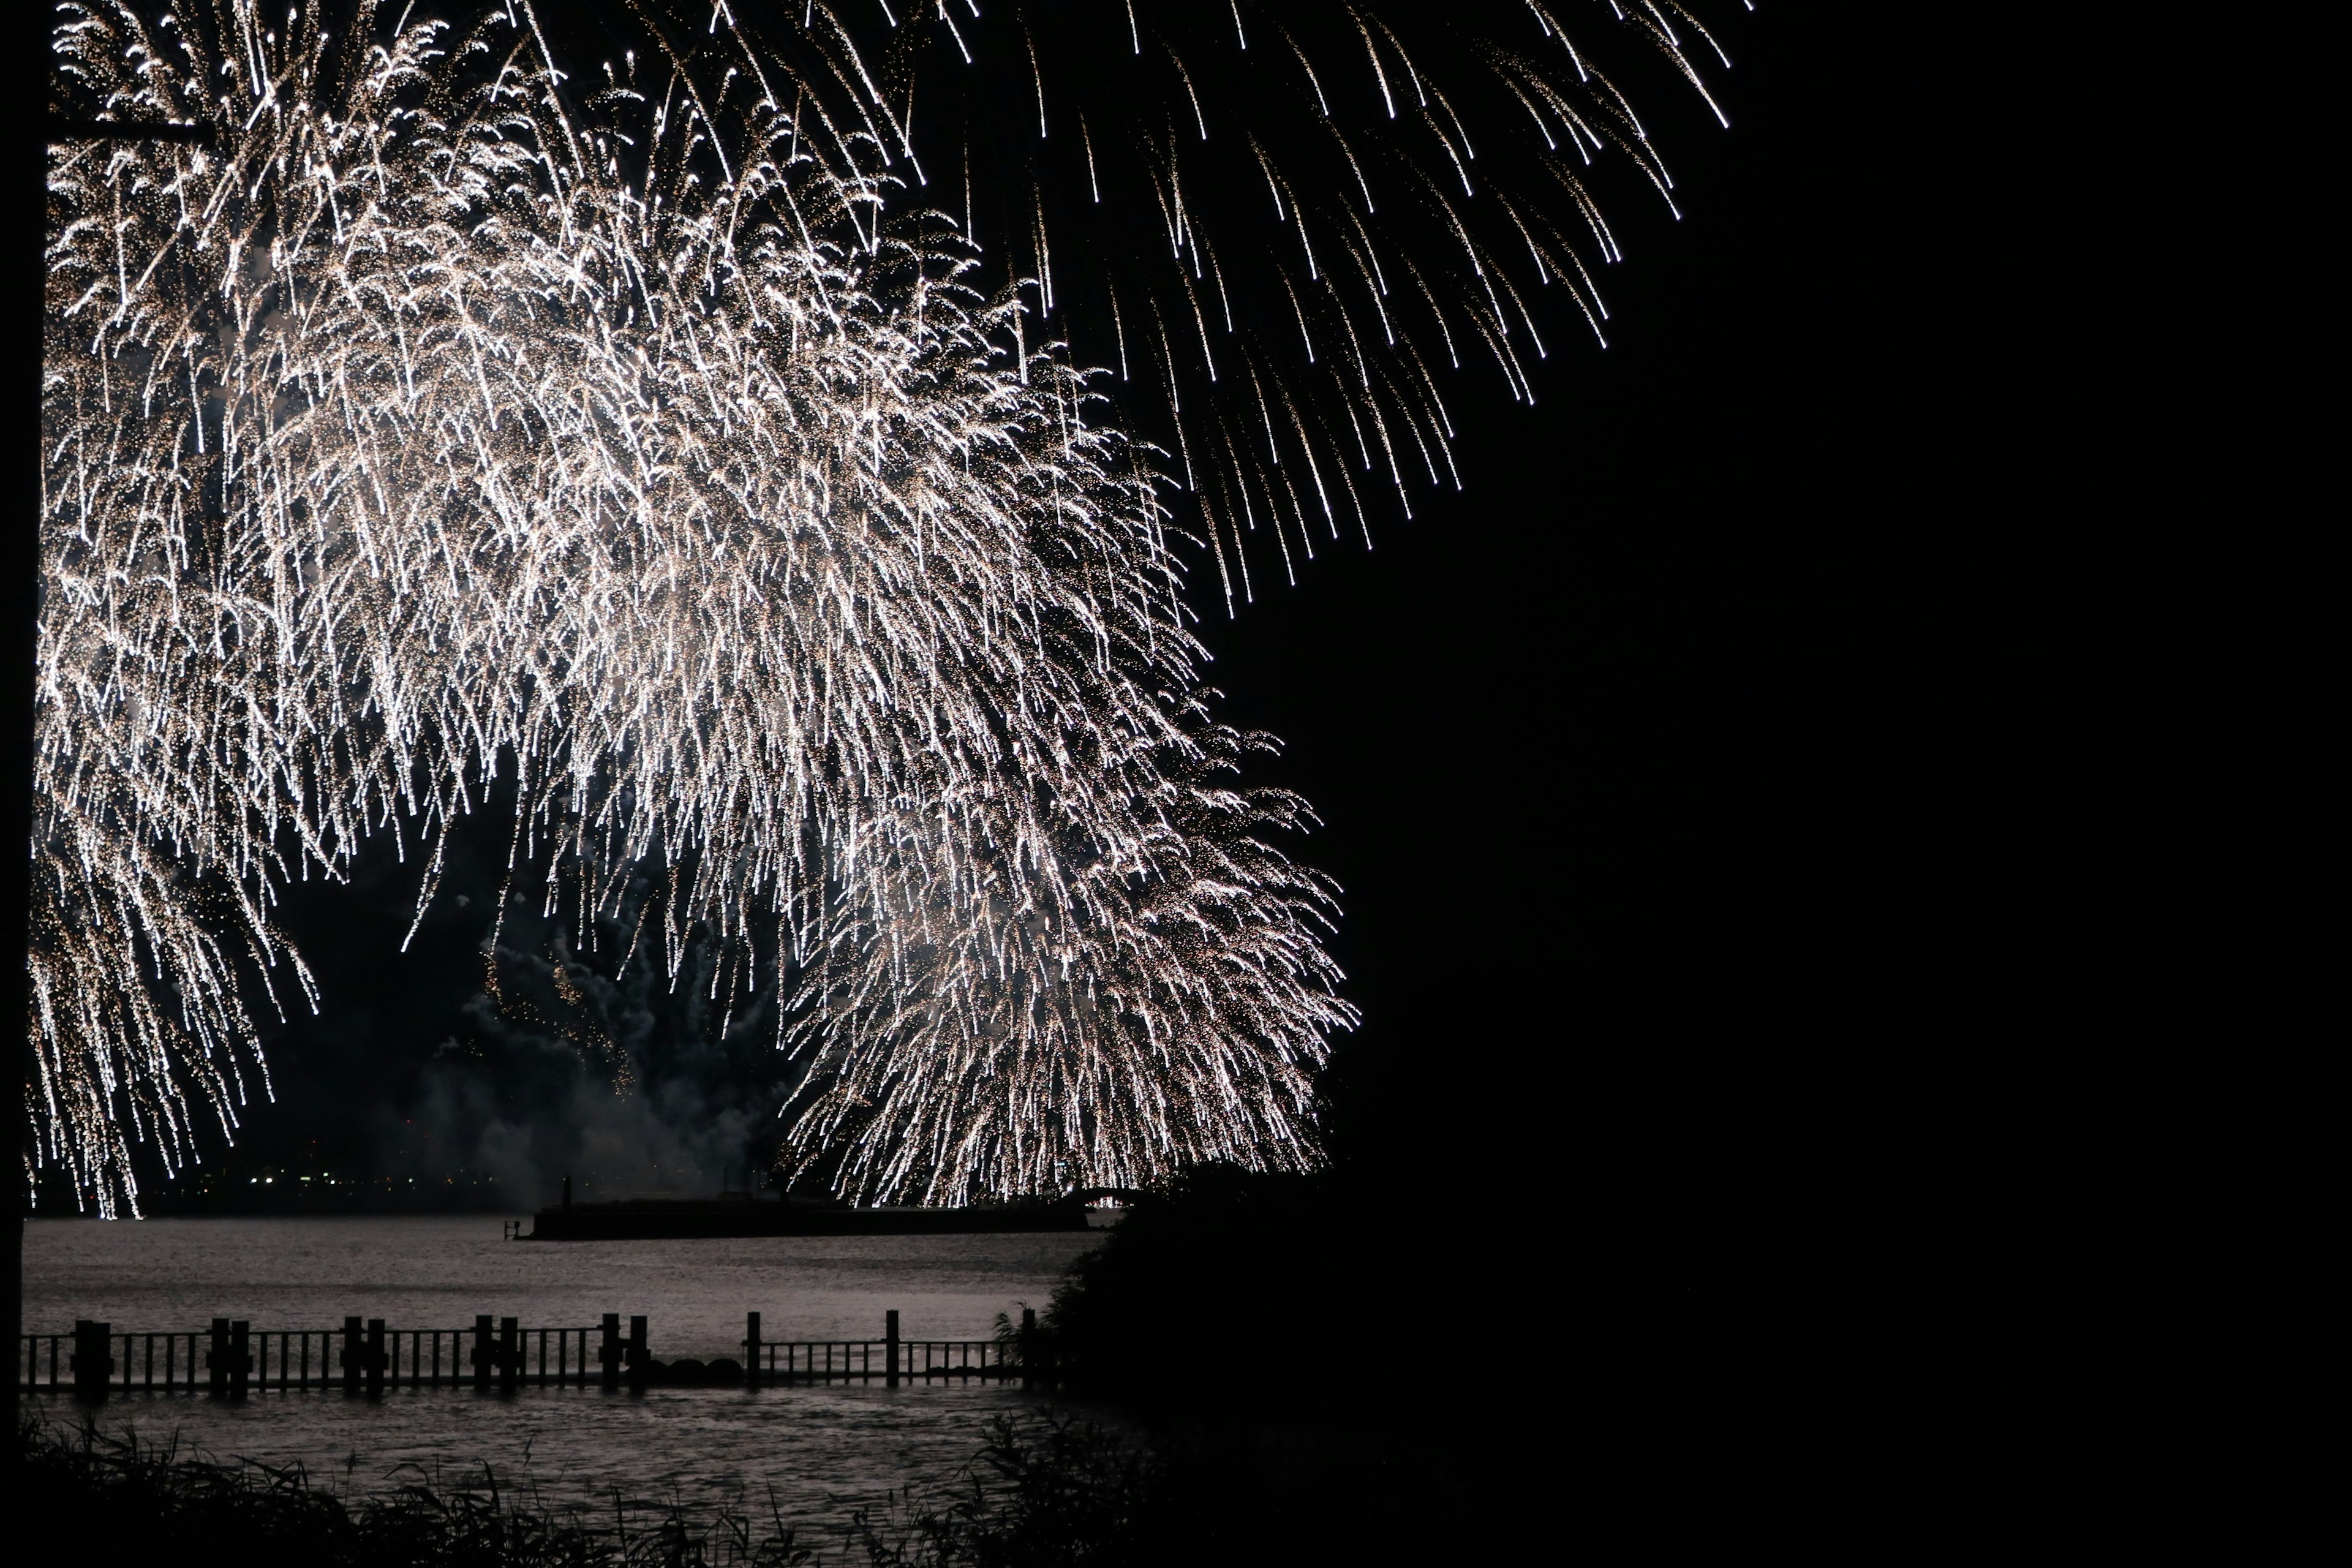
pixel 750 1349
pixel 240 1357
pixel 375 1358
pixel 353 1361
pixel 484 1354
pixel 609 1353
pixel 509 1355
pixel 1028 1347
pixel 637 1355
pixel 217 1359
pixel 890 1348
pixel 93 1360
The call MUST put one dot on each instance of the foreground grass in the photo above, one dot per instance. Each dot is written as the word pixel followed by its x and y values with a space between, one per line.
pixel 122 1498
pixel 1045 1491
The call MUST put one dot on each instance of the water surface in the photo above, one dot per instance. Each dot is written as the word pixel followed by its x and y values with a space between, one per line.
pixel 816 1449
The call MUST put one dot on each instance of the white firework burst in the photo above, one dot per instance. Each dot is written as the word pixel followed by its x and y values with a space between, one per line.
pixel 447 420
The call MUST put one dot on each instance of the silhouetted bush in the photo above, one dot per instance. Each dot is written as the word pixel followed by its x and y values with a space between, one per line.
pixel 1299 1398
pixel 1232 1290
pixel 1061 1490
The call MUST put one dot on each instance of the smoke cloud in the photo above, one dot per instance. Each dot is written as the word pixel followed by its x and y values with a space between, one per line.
pixel 666 1140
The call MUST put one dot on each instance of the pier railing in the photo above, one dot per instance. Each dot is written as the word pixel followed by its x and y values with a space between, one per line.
pixel 888 1360
pixel 234 1360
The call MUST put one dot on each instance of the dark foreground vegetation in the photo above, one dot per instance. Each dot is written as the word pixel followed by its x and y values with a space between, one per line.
pixel 1045 1491
pixel 138 1500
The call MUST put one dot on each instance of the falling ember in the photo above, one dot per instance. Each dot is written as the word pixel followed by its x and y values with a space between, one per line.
pixel 1293 227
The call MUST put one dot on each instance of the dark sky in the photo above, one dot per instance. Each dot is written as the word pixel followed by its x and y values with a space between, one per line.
pixel 1852 749
pixel 1840 811
pixel 1864 737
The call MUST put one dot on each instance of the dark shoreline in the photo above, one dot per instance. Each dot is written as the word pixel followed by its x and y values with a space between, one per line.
pixel 703 1218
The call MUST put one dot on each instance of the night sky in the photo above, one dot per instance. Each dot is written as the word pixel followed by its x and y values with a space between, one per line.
pixel 1839 782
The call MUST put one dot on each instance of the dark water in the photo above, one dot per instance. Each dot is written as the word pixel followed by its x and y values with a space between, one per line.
pixel 816 1449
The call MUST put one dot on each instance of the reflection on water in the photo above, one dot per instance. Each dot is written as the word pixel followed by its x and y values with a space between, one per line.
pixel 811 1446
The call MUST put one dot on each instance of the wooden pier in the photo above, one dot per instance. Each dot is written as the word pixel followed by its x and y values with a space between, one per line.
pixel 889 1359
pixel 233 1359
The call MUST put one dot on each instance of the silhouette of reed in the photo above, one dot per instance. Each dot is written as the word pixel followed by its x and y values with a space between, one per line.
pixel 141 1498
pixel 1045 1488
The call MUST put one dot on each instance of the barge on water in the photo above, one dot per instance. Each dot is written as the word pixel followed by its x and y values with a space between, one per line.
pixel 742 1213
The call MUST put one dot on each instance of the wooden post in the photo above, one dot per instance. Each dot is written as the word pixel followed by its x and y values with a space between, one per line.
pixel 610 1351
pixel 638 1355
pixel 1028 1347
pixel 240 1357
pixel 217 1360
pixel 509 1355
pixel 486 1355
pixel 890 1348
pixel 93 1360
pixel 354 1360
pixel 375 1362
pixel 750 1349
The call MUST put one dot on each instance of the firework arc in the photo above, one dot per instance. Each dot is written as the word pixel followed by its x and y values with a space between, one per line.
pixel 456 421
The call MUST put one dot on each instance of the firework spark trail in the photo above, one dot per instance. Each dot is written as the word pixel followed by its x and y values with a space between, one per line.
pixel 1284 223
pixel 448 421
